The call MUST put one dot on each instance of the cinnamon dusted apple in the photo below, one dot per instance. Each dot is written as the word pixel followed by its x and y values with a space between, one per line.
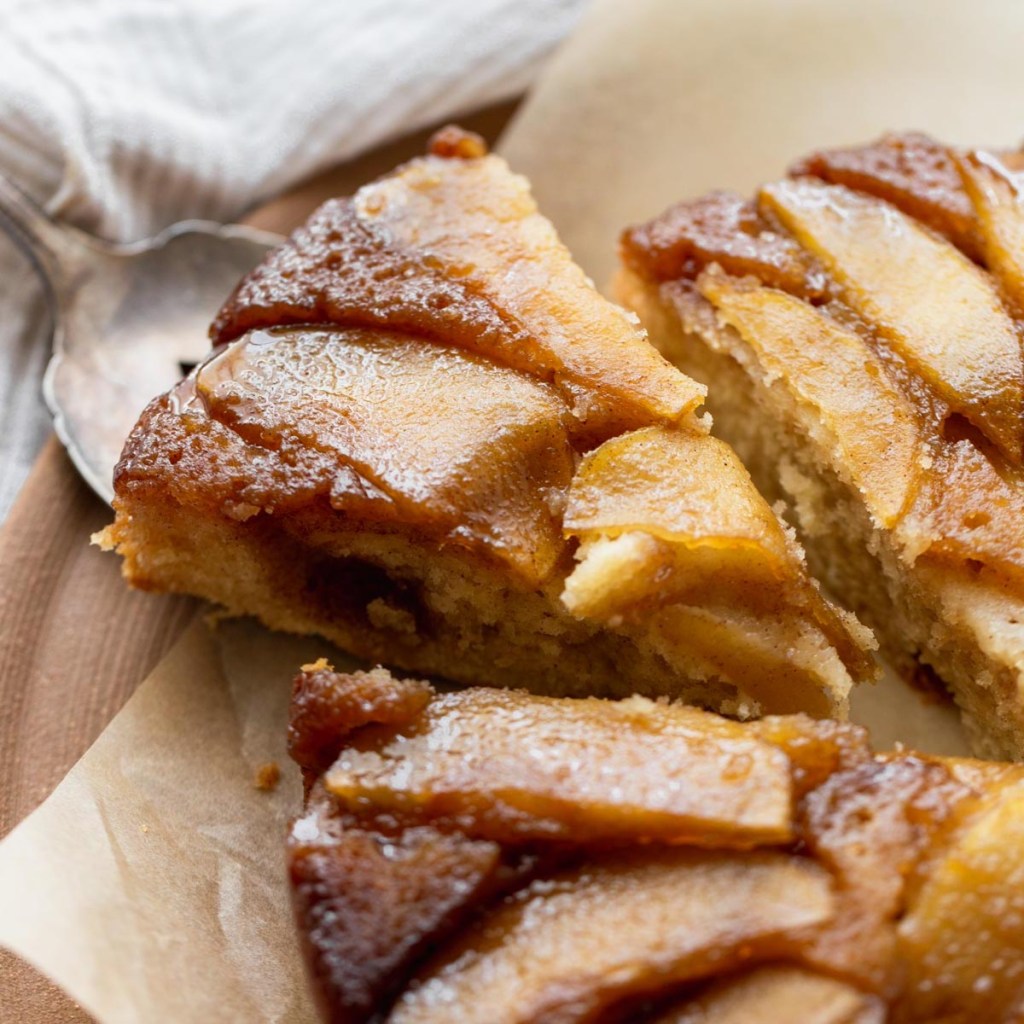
pixel 859 326
pixel 424 435
pixel 503 857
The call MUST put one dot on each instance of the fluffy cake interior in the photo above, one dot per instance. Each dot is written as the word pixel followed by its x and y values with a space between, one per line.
pixel 968 631
pixel 393 599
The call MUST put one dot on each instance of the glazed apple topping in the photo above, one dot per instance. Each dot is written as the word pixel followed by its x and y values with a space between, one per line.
pixel 912 172
pixel 673 518
pixel 396 896
pixel 504 857
pixel 624 925
pixel 997 194
pixel 940 313
pixel 395 430
pixel 969 513
pixel 976 877
pixel 517 767
pixel 452 247
pixel 905 358
pixel 726 229
pixel 705 499
pixel 843 382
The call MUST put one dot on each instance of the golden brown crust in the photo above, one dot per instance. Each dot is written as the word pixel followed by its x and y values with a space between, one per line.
pixel 453 141
pixel 398 257
pixel 325 271
pixel 326 707
pixel 913 172
pixel 368 906
pixel 368 427
pixel 721 228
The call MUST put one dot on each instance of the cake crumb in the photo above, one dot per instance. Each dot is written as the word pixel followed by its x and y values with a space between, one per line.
pixel 455 142
pixel 386 616
pixel 267 776
pixel 320 665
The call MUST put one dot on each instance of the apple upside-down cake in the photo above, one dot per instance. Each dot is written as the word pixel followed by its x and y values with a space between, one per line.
pixel 498 857
pixel 859 328
pixel 424 435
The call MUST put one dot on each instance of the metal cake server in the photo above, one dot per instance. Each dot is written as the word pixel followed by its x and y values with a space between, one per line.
pixel 127 320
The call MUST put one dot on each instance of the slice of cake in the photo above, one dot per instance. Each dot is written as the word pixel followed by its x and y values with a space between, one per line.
pixel 859 328
pixel 497 857
pixel 424 435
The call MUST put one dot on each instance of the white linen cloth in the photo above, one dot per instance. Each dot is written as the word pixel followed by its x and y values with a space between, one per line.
pixel 124 116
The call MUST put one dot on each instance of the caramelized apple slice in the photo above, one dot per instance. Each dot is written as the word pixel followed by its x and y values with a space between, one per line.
pixel 711 534
pixel 569 947
pixel 369 905
pixel 963 935
pixel 515 767
pixel 969 513
pixel 937 309
pixel 451 247
pixel 780 995
pixel 393 429
pixel 630 576
pixel 633 574
pixel 998 197
pixel 870 825
pixel 664 515
pixel 837 746
pixel 721 228
pixel 778 662
pixel 680 486
pixel 327 706
pixel 866 421
pixel 478 221
pixel 912 171
pixel 667 516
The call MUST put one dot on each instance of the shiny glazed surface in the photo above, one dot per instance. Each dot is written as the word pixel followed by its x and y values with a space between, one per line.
pixel 610 867
pixel 883 283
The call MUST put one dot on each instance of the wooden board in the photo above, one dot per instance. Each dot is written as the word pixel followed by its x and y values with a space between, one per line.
pixel 74 641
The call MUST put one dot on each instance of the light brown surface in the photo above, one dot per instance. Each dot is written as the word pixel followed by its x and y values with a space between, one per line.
pixel 74 641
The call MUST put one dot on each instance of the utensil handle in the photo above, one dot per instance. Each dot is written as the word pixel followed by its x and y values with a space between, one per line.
pixel 50 248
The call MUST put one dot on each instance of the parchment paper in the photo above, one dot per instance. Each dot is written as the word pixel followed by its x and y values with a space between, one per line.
pixel 654 101
pixel 151 884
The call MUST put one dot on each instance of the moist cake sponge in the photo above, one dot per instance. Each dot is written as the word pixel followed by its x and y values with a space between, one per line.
pixel 858 327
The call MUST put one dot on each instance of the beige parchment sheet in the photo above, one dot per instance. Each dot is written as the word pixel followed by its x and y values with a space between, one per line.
pixel 151 884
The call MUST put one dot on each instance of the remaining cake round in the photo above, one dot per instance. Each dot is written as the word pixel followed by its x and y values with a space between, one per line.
pixel 859 328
